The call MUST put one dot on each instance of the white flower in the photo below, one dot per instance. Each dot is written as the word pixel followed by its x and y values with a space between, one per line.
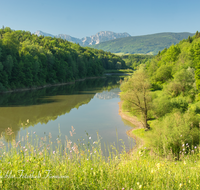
pixel 89 137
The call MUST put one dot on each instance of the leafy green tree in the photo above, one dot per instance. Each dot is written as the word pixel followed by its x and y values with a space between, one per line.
pixel 136 91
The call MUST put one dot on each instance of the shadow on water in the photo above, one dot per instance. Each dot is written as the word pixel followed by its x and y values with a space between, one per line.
pixel 43 105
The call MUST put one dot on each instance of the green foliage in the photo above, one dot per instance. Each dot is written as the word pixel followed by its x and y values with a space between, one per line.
pixel 81 165
pixel 163 73
pixel 148 44
pixel 136 92
pixel 27 60
pixel 134 60
pixel 175 78
pixel 174 131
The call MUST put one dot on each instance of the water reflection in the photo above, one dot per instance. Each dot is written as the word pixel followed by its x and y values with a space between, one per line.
pixel 44 105
pixel 106 95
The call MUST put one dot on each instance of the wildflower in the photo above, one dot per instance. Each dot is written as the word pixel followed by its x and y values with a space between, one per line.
pixel 91 168
pixel 158 165
pixel 195 147
pixel 94 142
pixel 140 186
pixel 54 152
pixel 180 185
pixel 25 150
pixel 89 137
pixel 123 188
pixel 34 132
pixel 183 145
pixel 189 181
pixel 187 144
pixel 184 162
pixel 138 183
pixel 95 151
pixel 27 120
pixel 152 171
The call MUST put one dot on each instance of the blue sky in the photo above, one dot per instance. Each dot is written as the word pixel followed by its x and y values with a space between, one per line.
pixel 80 18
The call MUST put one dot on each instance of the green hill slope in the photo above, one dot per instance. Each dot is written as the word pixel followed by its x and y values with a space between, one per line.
pixel 148 44
pixel 27 60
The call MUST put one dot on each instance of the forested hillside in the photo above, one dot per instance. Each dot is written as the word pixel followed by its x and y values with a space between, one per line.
pixel 147 44
pixel 27 60
pixel 134 60
pixel 167 101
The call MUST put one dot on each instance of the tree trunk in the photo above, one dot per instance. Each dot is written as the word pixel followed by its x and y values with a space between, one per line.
pixel 146 126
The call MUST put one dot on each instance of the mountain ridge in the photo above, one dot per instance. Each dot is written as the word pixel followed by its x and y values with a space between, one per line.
pixel 85 41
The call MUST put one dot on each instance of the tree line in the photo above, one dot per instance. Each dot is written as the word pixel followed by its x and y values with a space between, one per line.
pixel 27 60
pixel 167 101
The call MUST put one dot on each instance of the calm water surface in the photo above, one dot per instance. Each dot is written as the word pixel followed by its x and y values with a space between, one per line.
pixel 90 106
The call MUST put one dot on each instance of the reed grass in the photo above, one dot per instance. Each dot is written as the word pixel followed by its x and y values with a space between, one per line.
pixel 34 163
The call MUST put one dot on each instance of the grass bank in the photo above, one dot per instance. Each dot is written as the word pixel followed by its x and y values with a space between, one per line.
pixel 33 163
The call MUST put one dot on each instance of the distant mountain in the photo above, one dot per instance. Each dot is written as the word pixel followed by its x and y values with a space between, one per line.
pixel 103 36
pixel 94 39
pixel 40 33
pixel 147 44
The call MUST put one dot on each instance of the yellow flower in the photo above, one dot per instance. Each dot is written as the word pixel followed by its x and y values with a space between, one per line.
pixel 152 170
pixel 140 186
pixel 184 162
pixel 158 165
pixel 138 183
pixel 180 185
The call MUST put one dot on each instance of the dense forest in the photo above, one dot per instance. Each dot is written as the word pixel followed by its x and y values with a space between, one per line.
pixel 27 60
pixel 167 101
pixel 134 60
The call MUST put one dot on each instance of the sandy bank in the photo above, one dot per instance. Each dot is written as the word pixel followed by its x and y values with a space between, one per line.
pixel 138 125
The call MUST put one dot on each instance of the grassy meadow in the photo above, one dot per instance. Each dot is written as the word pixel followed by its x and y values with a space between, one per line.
pixel 81 165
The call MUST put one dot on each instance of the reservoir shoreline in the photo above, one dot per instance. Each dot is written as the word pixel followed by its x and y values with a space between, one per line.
pixel 138 125
pixel 49 85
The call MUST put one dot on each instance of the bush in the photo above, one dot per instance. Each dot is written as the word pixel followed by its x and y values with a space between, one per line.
pixel 173 132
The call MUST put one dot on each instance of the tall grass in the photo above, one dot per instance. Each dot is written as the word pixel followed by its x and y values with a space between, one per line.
pixel 34 163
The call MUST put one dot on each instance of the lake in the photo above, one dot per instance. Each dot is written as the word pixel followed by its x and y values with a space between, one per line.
pixel 90 106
